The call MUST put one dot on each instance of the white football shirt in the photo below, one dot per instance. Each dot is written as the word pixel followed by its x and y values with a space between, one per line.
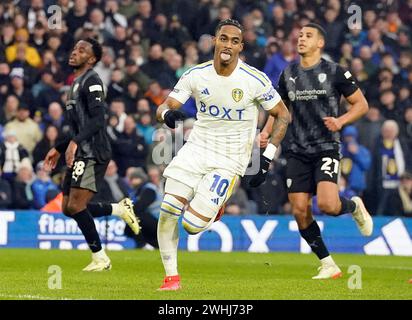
pixel 227 110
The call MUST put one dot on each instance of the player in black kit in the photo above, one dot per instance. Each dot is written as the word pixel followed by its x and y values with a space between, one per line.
pixel 87 150
pixel 312 89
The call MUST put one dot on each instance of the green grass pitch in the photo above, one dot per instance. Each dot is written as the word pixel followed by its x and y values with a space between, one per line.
pixel 205 275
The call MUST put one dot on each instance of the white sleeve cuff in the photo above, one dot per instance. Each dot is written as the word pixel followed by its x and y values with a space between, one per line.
pixel 270 151
pixel 163 113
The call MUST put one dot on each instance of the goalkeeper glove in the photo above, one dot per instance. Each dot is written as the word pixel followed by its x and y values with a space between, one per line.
pixel 265 159
pixel 171 116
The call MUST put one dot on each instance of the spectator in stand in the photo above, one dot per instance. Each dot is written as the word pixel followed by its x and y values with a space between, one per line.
pixel 49 141
pixel 390 162
pixel 145 127
pixel 42 186
pixel 400 201
pixel 388 107
pixel 11 155
pixel 77 15
pixel 155 176
pixel 51 92
pixel 53 117
pixel 9 110
pixel 38 38
pixel 21 186
pixel 406 127
pixel 369 127
pixel 275 65
pixel 253 53
pixel 118 108
pixel 356 160
pixel 115 88
pixel 169 78
pixel 28 132
pixel 135 73
pixel 5 193
pixel 176 34
pixel 334 28
pixel 18 88
pixel 31 56
pixel 106 65
pixel 155 64
pixel 156 94
pixel 129 149
pixel 131 96
pixel 205 46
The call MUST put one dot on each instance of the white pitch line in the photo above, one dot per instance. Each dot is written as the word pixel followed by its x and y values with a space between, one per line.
pixel 36 297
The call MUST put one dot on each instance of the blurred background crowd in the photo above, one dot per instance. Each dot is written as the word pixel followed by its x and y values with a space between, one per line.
pixel 148 45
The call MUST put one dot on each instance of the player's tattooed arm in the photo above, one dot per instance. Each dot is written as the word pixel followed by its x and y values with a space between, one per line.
pixel 281 120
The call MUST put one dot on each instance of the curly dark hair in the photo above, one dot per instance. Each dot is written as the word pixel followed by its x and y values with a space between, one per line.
pixel 228 22
pixel 96 47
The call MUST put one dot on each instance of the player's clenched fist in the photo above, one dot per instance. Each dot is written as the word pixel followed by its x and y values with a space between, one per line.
pixel 171 116
pixel 265 160
pixel 333 124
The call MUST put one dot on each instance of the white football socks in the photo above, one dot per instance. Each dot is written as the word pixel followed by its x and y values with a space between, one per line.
pixel 328 260
pixel 168 233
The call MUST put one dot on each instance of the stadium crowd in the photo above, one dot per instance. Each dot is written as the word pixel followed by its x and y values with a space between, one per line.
pixel 148 45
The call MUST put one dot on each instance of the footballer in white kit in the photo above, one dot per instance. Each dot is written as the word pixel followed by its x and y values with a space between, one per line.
pixel 228 93
pixel 220 144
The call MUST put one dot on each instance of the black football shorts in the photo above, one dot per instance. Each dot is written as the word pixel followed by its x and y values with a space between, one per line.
pixel 84 174
pixel 303 172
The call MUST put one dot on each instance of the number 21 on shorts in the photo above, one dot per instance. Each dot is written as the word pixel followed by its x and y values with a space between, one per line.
pixel 327 168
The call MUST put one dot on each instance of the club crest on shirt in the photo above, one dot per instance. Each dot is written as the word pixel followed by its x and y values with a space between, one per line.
pixel 237 94
pixel 322 77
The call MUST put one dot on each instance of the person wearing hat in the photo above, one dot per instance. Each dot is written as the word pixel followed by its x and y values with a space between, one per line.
pixel 356 160
pixel 19 87
pixel 27 130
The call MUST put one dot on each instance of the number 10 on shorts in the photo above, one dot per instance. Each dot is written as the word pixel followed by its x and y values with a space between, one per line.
pixel 219 185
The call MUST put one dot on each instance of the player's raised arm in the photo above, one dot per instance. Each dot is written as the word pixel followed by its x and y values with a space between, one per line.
pixel 168 112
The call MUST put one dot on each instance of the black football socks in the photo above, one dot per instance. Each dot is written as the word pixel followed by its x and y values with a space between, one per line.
pixel 100 209
pixel 312 236
pixel 86 224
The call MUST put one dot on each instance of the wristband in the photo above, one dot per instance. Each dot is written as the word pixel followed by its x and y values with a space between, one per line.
pixel 163 113
pixel 270 151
